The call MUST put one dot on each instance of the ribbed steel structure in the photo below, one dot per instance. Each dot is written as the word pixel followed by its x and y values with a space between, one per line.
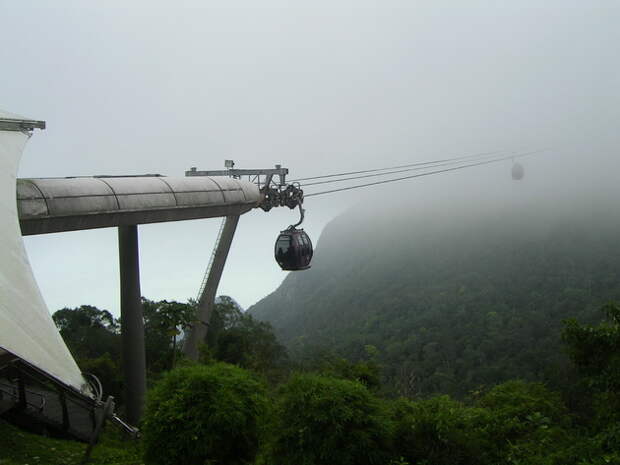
pixel 50 205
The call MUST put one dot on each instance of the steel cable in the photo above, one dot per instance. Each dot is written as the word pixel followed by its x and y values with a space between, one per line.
pixel 385 181
pixel 465 157
pixel 417 168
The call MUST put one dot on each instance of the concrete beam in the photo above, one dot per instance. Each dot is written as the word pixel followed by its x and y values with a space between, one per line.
pixel 30 227
pixel 49 205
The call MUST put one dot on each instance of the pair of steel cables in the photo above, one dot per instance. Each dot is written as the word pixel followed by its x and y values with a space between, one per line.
pixel 428 168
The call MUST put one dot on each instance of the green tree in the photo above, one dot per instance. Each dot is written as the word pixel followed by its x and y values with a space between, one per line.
pixel 93 337
pixel 203 414
pixel 367 371
pixel 518 401
pixel 164 322
pixel 88 331
pixel 528 421
pixel 515 423
pixel 442 431
pixel 321 420
pixel 236 337
pixel 595 350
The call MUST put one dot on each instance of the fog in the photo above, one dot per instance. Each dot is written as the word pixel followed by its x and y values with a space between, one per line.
pixel 320 87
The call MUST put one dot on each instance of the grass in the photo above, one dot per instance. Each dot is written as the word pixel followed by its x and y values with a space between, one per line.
pixel 18 447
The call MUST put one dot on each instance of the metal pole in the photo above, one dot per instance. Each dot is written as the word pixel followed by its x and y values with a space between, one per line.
pixel 198 332
pixel 132 323
pixel 21 390
pixel 106 412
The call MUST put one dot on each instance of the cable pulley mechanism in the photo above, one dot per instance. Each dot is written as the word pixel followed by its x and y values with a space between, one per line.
pixel 281 196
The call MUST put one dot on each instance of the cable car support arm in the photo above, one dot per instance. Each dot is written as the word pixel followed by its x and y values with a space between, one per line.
pixel 273 194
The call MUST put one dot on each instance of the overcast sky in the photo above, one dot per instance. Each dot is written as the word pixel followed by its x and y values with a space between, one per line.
pixel 156 87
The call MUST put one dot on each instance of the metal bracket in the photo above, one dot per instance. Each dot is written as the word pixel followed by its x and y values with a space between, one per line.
pixel 254 175
pixel 22 125
pixel 107 412
pixel 302 212
pixel 275 194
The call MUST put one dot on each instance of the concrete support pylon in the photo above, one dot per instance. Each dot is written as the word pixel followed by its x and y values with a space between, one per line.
pixel 132 323
pixel 198 332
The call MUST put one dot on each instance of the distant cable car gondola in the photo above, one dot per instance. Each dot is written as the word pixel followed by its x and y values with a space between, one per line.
pixel 517 172
pixel 293 248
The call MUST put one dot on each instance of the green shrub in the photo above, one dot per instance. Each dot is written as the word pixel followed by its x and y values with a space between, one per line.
pixel 321 420
pixel 366 372
pixel 529 423
pixel 203 415
pixel 515 423
pixel 442 431
pixel 520 408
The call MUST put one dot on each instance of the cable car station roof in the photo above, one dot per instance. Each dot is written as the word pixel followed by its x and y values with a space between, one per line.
pixel 48 205
pixel 26 327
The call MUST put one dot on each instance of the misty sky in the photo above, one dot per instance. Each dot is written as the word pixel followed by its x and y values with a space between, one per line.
pixel 320 87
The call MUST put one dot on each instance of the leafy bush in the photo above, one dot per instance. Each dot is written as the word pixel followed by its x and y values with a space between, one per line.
pixel 529 422
pixel 595 350
pixel 321 420
pixel 520 407
pixel 367 372
pixel 514 423
pixel 442 431
pixel 203 414
pixel 235 337
pixel 89 332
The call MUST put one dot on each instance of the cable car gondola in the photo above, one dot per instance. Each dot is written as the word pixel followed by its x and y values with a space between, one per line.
pixel 293 249
pixel 517 171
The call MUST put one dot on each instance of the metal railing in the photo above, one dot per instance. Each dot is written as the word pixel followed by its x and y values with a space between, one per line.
pixel 12 390
pixel 205 278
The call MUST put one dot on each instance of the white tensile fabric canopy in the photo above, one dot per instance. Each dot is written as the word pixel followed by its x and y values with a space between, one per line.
pixel 26 326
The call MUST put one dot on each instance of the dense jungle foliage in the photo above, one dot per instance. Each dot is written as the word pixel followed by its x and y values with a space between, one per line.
pixel 330 410
pixel 218 413
pixel 453 296
pixel 213 412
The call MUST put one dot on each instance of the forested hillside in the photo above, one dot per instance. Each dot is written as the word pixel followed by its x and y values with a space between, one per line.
pixel 457 294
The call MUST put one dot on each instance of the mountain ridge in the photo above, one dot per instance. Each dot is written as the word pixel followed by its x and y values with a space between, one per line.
pixel 454 296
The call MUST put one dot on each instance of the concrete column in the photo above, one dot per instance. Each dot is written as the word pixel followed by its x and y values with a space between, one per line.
pixel 198 332
pixel 132 324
